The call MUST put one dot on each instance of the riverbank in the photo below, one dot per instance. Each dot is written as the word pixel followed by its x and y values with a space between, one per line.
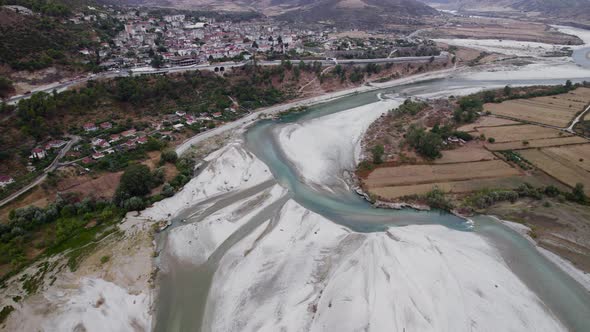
pixel 111 289
pixel 583 277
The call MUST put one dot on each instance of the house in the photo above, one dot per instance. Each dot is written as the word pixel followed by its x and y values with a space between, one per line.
pixel 106 125
pixel 130 144
pixel 190 119
pixel 88 127
pixel 97 155
pixel 55 144
pixel 86 160
pixel 178 126
pixel 129 133
pixel 142 140
pixel 5 180
pixel 38 153
pixel 98 141
pixel 217 114
pixel 114 138
pixel 180 113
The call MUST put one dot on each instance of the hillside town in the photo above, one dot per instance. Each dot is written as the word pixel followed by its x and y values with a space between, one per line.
pixel 153 39
pixel 181 40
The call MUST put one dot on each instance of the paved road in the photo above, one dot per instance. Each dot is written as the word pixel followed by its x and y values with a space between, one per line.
pixel 59 87
pixel 54 164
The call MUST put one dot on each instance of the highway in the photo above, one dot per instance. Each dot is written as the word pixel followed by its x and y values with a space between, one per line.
pixel 62 86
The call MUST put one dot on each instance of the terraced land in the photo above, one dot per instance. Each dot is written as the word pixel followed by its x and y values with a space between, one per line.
pixel 533 130
pixel 555 111
pixel 537 143
pixel 559 165
pixel 520 133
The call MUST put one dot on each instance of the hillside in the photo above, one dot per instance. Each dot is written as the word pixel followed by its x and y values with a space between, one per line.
pixel 578 10
pixel 358 13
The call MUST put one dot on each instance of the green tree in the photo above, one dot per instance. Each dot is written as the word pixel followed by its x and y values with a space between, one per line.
pixel 136 181
pixel 378 152
pixel 578 194
pixel 6 87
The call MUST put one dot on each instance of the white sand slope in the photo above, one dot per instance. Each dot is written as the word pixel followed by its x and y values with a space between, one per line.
pixel 195 242
pixel 99 305
pixel 230 168
pixel 320 146
pixel 305 273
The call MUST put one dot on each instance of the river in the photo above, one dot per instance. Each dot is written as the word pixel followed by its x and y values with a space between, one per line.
pixel 185 301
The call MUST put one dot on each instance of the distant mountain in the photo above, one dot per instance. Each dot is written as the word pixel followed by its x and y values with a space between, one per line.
pixel 354 12
pixel 566 9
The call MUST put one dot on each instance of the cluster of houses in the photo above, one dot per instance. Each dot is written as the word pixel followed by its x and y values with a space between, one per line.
pixel 184 40
pixel 41 152
pixel 123 141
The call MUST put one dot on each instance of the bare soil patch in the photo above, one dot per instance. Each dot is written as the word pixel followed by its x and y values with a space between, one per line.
pixel 558 167
pixel 487 121
pixel 102 187
pixel 472 151
pixel 557 110
pixel 563 228
pixel 518 133
pixel 537 143
pixel 578 155
pixel 500 28
pixel 460 187
pixel 422 174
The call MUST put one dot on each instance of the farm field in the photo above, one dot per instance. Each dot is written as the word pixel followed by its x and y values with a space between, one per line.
pixel 557 110
pixel 537 143
pixel 422 174
pixel 520 133
pixel 487 121
pixel 472 151
pixel 460 187
pixel 578 155
pixel 562 169
pixel 559 157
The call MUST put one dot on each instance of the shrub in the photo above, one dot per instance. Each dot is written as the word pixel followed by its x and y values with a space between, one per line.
pixel 463 135
pixel 168 156
pixel 436 199
pixel 552 191
pixel 167 190
pixel 377 152
pixel 134 204
pixel 578 195
pixel 492 140
pixel 487 198
pixel 5 312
